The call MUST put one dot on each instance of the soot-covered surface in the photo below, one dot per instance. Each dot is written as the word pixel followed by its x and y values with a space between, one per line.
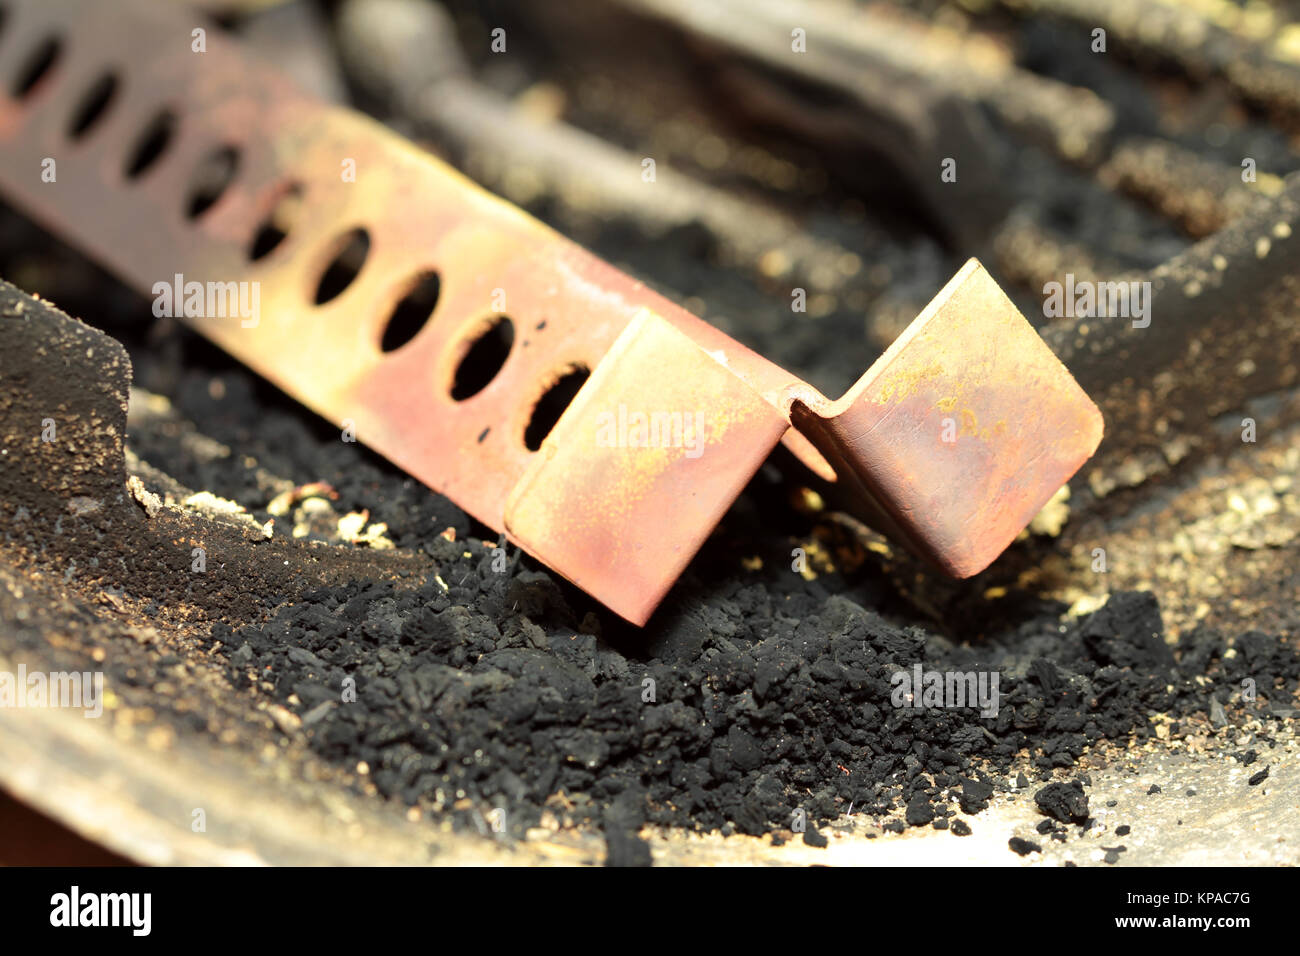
pixel 754 694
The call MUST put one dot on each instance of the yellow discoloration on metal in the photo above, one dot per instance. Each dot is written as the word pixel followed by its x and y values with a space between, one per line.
pixel 915 431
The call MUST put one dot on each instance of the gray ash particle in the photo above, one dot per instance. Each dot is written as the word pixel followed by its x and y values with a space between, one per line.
pixel 1218 716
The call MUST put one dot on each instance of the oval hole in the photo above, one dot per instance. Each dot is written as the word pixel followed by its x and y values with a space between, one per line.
pixel 552 404
pixel 151 144
pixel 344 267
pixel 278 223
pixel 40 62
pixel 412 312
pixel 94 104
pixel 483 360
pixel 212 177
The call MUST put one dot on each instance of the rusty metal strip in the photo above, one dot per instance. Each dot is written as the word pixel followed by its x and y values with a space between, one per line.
pixel 953 440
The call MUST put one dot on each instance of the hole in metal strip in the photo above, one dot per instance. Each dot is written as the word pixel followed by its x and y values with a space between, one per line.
pixel 151 144
pixel 40 62
pixel 353 247
pixel 94 104
pixel 549 408
pixel 277 225
pixel 411 314
pixel 483 359
pixel 212 177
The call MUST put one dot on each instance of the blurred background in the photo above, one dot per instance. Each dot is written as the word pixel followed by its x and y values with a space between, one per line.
pixel 1098 137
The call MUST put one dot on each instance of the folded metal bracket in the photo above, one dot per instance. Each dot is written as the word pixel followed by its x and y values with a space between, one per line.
pixel 209 168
